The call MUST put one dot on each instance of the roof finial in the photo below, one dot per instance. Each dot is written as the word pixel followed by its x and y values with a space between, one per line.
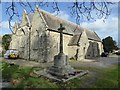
pixel 25 11
pixel 37 7
pixel 16 24
pixel 84 30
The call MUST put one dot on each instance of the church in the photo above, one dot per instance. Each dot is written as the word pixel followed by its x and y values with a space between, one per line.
pixel 36 38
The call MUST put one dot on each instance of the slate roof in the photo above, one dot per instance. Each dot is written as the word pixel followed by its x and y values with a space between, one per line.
pixel 30 16
pixel 92 35
pixel 74 40
pixel 53 22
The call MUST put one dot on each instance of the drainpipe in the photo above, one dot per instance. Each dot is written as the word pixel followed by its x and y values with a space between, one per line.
pixel 29 42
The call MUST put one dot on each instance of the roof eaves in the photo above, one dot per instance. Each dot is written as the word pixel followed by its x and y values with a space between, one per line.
pixel 94 40
pixel 79 38
pixel 58 32
pixel 43 18
pixel 97 36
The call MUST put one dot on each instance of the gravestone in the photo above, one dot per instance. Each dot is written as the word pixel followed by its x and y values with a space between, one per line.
pixel 61 70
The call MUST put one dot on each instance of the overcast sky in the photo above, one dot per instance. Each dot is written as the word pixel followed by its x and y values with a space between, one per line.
pixel 103 29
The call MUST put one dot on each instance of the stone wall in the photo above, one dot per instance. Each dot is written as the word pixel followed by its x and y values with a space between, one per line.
pixel 42 45
pixel 38 37
pixel 94 49
pixel 14 43
pixel 53 44
pixel 79 51
pixel 45 45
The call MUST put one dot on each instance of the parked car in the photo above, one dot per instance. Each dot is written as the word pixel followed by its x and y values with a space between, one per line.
pixel 104 54
pixel 12 54
pixel 117 53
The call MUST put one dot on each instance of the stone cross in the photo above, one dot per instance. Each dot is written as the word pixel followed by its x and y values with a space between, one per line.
pixel 60 29
pixel 61 70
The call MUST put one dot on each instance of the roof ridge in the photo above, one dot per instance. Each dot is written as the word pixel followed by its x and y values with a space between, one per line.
pixel 52 22
pixel 77 25
pixel 39 11
pixel 96 35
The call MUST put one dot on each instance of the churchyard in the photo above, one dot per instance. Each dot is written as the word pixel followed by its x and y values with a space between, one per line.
pixel 97 72
pixel 103 73
pixel 59 55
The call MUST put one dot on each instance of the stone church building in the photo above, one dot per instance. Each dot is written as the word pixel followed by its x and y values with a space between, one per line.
pixel 36 38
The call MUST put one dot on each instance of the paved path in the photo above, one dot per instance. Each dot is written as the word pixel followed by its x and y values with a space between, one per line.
pixel 23 62
pixel 96 62
pixel 101 62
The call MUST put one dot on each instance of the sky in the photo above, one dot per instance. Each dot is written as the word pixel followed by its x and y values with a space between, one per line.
pixel 103 29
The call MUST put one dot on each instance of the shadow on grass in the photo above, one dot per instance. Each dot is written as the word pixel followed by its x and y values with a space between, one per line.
pixel 21 77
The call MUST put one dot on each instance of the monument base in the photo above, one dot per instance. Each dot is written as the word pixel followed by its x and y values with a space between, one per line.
pixel 75 74
pixel 61 70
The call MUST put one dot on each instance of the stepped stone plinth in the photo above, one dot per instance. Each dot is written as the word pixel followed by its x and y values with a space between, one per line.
pixel 61 66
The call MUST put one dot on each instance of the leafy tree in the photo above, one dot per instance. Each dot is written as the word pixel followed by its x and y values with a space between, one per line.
pixel 6 39
pixel 109 44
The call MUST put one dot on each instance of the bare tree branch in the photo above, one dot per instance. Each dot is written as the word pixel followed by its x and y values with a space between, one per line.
pixel 79 10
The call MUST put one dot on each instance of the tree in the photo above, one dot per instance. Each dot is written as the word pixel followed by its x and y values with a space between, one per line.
pixel 89 10
pixel 6 39
pixel 109 44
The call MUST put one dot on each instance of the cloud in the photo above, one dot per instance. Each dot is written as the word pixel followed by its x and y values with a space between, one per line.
pixel 62 15
pixel 4 27
pixel 104 29
pixel 5 24
pixel 99 25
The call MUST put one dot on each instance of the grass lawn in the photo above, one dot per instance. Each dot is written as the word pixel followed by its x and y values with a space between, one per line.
pixel 21 77
pixel 113 55
pixel 108 78
pixel 97 78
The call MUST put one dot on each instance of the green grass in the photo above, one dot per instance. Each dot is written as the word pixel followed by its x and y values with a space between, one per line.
pixel 108 78
pixel 113 55
pixel 0 54
pixel 97 78
pixel 8 71
pixel 32 82
pixel 20 77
